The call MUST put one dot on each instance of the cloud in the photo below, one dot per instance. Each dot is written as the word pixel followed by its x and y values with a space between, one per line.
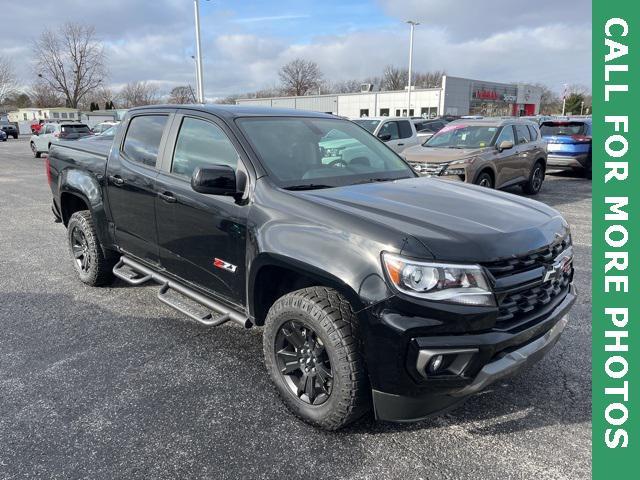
pixel 245 44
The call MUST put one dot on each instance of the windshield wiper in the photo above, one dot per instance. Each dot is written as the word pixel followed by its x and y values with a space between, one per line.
pixel 308 186
pixel 381 179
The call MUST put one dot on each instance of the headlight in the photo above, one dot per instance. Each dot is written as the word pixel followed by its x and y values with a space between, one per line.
pixel 446 282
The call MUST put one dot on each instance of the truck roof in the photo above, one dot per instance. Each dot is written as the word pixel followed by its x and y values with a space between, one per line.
pixel 236 111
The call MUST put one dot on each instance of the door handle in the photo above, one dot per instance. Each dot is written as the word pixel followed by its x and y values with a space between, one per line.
pixel 401 144
pixel 117 180
pixel 167 197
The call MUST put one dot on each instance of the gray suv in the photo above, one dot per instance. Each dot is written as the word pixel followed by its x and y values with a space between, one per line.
pixel 490 152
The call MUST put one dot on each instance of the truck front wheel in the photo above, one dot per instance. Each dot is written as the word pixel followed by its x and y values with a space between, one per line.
pixel 313 354
pixel 93 266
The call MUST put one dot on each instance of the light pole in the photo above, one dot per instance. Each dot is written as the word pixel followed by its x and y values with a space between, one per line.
pixel 199 76
pixel 581 107
pixel 564 98
pixel 413 25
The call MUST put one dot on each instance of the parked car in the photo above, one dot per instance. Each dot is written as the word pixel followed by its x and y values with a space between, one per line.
pixel 426 128
pixel 3 136
pixel 569 144
pixel 491 152
pixel 397 132
pixel 377 288
pixel 101 127
pixel 9 128
pixel 51 132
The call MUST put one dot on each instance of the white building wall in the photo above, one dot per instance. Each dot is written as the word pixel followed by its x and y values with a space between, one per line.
pixel 350 105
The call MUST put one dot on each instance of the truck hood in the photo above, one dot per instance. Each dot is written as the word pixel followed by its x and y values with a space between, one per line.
pixel 454 221
pixel 418 153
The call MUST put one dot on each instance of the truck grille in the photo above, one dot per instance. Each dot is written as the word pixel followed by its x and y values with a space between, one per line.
pixel 520 303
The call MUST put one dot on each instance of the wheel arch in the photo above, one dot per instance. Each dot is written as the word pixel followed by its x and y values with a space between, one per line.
pixel 486 169
pixel 272 276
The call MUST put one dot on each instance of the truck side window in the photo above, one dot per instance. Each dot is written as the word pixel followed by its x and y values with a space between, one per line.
pixel 143 138
pixel 405 129
pixel 390 128
pixel 201 143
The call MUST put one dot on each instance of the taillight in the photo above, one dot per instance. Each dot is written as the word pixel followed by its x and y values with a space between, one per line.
pixel 47 169
pixel 581 138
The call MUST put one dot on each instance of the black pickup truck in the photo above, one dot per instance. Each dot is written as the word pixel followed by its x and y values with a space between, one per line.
pixel 375 287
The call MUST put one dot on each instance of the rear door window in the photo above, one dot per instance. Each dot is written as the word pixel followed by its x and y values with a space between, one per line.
pixel 405 129
pixel 522 132
pixel 143 138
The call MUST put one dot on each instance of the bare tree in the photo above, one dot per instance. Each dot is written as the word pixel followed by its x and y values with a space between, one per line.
pixel 8 83
pixel 395 78
pixel 101 96
pixel 300 77
pixel 71 61
pixel 346 86
pixel 182 94
pixel 228 100
pixel 43 95
pixel 135 94
pixel 428 79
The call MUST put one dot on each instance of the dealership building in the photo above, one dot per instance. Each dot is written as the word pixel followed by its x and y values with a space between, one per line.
pixel 456 96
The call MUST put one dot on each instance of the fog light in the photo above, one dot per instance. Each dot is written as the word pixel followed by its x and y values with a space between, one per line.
pixel 436 363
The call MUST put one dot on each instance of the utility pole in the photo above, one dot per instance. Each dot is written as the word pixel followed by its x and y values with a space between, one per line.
pixel 199 76
pixel 564 98
pixel 413 25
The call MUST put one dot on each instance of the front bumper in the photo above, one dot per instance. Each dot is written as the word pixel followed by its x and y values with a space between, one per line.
pixel 499 354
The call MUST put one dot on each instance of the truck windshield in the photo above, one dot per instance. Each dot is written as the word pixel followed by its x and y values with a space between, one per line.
pixel 463 136
pixel 306 153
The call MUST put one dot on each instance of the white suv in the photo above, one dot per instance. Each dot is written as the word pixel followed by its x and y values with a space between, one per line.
pixel 397 132
pixel 50 132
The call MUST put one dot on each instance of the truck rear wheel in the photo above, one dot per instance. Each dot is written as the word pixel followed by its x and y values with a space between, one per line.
pixel 93 266
pixel 313 354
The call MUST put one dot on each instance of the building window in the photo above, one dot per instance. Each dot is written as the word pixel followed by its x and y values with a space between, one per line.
pixel 71 115
pixel 404 112
pixel 429 112
pixel 384 112
pixel 56 115
pixel 64 114
pixel 397 112
pixel 24 115
pixel 364 112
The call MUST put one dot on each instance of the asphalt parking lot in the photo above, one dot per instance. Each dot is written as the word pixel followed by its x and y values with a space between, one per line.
pixel 110 383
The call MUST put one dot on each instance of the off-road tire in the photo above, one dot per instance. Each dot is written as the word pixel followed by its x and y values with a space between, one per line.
pixel 99 269
pixel 532 186
pixel 331 317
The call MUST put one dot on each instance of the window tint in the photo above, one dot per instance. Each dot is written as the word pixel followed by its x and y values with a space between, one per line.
pixel 523 134
pixel 506 134
pixel 534 132
pixel 390 128
pixel 405 129
pixel 143 138
pixel 201 143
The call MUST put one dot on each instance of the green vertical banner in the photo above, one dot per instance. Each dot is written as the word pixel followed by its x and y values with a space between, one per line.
pixel 616 239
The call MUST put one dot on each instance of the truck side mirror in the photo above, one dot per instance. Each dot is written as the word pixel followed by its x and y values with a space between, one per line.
pixel 385 137
pixel 505 145
pixel 215 180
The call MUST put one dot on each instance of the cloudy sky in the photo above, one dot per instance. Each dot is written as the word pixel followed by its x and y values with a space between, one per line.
pixel 245 42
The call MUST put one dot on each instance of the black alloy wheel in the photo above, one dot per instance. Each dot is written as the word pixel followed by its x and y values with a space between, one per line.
pixel 80 249
pixel 484 180
pixel 304 362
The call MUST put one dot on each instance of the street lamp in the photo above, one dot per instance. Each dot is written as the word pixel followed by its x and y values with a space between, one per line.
pixel 564 97
pixel 413 25
pixel 199 76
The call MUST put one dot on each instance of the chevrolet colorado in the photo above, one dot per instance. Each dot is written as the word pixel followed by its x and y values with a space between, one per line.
pixel 376 288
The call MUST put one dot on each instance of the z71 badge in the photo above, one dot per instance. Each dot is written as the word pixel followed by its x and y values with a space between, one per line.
pixel 224 265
